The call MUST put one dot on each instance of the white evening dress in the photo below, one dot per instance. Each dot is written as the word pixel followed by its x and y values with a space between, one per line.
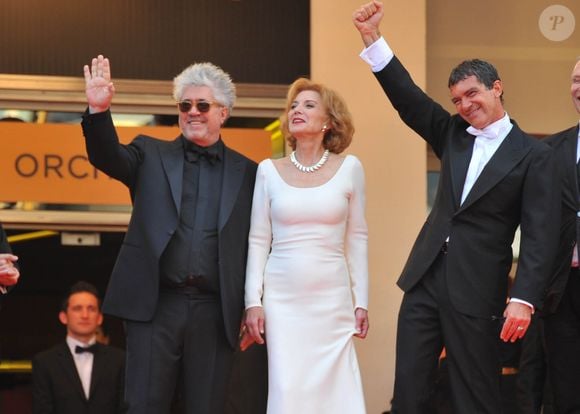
pixel 307 266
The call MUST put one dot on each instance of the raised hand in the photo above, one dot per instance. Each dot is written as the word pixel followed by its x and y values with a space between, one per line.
pixel 367 19
pixel 98 86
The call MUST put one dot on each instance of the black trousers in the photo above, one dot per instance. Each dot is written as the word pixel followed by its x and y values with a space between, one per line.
pixel 248 386
pixel 531 385
pixel 427 323
pixel 185 339
pixel 562 335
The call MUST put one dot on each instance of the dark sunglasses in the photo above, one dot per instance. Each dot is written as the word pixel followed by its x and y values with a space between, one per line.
pixel 202 106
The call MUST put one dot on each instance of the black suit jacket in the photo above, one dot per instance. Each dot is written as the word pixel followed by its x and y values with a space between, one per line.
pixel 57 388
pixel 564 144
pixel 152 169
pixel 516 187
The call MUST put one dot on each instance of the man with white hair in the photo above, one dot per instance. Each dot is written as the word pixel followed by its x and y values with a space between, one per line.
pixel 178 282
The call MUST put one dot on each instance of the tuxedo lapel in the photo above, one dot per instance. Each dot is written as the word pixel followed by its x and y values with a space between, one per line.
pixel 459 157
pixel 99 366
pixel 69 369
pixel 567 163
pixel 233 178
pixel 173 159
pixel 509 154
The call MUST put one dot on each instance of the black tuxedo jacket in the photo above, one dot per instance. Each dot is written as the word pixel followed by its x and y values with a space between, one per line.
pixel 515 188
pixel 152 169
pixel 564 144
pixel 57 388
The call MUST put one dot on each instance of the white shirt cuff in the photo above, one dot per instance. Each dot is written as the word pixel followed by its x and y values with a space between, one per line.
pixel 522 301
pixel 378 55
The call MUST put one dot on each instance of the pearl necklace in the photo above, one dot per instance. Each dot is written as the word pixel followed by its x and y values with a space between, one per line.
pixel 311 168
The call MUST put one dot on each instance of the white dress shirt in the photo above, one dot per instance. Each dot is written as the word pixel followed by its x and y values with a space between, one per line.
pixel 83 362
pixel 487 141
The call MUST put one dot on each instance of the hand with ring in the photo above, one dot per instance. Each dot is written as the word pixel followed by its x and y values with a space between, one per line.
pixel 517 319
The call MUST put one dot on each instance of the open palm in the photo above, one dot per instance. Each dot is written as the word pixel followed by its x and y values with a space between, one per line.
pixel 98 86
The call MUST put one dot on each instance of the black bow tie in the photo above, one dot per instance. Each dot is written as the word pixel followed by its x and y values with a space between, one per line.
pixel 194 153
pixel 81 349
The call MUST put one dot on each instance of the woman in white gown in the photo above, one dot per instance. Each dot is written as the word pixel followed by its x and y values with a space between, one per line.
pixel 307 272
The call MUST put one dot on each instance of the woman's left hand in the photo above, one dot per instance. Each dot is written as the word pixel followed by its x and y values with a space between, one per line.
pixel 361 323
pixel 246 340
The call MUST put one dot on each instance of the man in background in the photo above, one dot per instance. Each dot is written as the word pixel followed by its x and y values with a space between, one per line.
pixel 79 375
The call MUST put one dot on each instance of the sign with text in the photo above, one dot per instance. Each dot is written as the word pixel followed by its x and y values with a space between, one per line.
pixel 47 163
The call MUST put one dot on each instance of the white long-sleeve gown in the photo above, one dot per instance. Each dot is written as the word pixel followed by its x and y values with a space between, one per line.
pixel 307 266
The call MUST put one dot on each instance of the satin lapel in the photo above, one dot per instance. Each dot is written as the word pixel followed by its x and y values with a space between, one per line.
pixel 510 153
pixel 233 176
pixel 66 361
pixel 567 160
pixel 99 365
pixel 459 157
pixel 172 160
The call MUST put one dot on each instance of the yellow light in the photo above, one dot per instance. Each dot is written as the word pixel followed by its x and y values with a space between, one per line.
pixel 31 236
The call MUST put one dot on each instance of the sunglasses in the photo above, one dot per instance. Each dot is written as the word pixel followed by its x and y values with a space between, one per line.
pixel 201 106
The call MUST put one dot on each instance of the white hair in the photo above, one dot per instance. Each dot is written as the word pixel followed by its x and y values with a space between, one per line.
pixel 210 75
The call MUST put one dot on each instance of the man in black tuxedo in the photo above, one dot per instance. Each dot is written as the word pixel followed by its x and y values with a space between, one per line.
pixel 79 376
pixel 493 178
pixel 179 278
pixel 9 272
pixel 562 310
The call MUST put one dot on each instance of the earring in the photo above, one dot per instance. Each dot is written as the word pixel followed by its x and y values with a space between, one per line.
pixel 324 127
